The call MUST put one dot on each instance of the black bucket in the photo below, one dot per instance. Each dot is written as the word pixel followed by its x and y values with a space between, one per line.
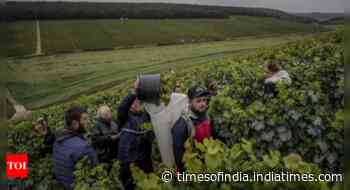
pixel 149 88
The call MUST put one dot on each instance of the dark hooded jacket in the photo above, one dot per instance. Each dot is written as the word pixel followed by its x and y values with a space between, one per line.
pixel 135 144
pixel 105 147
pixel 68 149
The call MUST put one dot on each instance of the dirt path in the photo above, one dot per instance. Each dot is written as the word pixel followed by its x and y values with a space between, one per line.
pixel 38 39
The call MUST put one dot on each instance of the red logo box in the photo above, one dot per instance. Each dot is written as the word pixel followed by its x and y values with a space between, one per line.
pixel 17 165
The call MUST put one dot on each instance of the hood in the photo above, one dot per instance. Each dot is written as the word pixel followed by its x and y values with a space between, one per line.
pixel 65 134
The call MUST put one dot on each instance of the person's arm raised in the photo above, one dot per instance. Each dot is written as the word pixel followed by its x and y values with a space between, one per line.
pixel 124 107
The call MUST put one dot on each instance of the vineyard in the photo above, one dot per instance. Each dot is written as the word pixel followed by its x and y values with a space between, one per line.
pixel 299 130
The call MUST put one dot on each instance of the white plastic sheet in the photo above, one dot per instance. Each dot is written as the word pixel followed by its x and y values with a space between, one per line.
pixel 163 119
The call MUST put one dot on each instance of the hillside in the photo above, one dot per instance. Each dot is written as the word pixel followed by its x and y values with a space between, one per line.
pixel 17 10
pixel 334 21
pixel 321 17
pixel 20 38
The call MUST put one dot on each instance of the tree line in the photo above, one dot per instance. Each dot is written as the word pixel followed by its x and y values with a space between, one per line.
pixel 16 10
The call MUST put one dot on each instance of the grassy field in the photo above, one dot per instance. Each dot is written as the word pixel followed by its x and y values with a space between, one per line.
pixel 17 38
pixel 76 35
pixel 44 80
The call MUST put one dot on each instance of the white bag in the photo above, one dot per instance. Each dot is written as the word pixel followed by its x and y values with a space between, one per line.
pixel 163 119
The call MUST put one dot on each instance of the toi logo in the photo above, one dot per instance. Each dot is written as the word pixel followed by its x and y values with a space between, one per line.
pixel 17 165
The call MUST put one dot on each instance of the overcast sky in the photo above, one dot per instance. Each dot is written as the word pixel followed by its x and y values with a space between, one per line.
pixel 286 5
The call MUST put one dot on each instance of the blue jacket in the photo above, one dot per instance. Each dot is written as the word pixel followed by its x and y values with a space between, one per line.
pixel 68 149
pixel 134 143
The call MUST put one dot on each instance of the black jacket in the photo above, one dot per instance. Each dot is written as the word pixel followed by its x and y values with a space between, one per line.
pixel 106 148
pixel 134 144
pixel 49 140
pixel 270 89
pixel 180 134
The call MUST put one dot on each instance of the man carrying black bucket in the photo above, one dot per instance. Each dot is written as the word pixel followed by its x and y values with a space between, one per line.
pixel 135 144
